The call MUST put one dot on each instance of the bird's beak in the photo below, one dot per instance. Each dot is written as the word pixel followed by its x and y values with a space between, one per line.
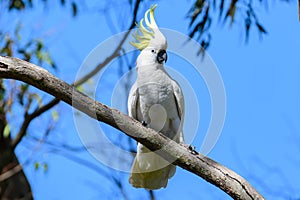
pixel 162 56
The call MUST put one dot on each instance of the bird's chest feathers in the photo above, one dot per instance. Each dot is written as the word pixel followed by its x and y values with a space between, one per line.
pixel 155 87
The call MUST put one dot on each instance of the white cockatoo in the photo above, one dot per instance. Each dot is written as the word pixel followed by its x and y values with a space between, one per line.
pixel 156 100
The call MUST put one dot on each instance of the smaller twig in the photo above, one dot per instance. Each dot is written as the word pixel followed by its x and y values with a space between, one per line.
pixel 115 54
pixel 59 146
pixel 152 196
pixel 29 118
pixel 6 175
pixel 299 9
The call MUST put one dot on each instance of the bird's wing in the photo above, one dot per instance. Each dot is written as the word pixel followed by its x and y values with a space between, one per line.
pixel 179 100
pixel 132 103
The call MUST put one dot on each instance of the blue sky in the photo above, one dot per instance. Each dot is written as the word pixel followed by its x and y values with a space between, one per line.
pixel 260 139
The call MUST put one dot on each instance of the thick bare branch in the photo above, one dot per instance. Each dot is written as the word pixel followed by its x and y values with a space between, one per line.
pixel 213 172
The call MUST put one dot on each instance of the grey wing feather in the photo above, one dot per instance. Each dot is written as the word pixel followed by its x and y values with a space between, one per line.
pixel 179 99
pixel 180 107
pixel 133 102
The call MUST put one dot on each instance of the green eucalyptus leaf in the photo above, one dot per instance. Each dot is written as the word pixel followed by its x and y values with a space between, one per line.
pixel 6 131
pixel 54 115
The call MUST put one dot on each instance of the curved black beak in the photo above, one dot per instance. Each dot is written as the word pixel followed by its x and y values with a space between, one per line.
pixel 162 56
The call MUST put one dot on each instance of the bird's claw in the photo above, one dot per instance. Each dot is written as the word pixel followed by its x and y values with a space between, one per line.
pixel 144 123
pixel 190 148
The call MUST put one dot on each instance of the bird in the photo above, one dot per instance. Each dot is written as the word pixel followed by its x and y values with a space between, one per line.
pixel 156 100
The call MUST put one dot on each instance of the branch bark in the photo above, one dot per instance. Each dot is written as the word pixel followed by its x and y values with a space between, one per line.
pixel 213 172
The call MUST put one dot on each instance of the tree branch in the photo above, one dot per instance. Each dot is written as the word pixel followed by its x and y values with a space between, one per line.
pixel 115 54
pixel 29 118
pixel 11 172
pixel 299 9
pixel 52 103
pixel 213 172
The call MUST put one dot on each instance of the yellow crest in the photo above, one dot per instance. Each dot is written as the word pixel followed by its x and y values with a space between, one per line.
pixel 143 35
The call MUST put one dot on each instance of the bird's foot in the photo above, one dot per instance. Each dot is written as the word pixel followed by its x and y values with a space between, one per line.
pixel 144 123
pixel 190 148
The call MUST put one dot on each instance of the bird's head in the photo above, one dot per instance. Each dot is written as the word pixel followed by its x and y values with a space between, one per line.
pixel 149 40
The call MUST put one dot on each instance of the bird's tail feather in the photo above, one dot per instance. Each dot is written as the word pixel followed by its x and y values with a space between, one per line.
pixel 152 180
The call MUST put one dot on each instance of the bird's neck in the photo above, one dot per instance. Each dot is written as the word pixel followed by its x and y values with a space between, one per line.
pixel 150 68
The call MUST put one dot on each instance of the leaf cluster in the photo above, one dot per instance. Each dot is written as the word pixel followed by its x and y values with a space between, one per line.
pixel 204 12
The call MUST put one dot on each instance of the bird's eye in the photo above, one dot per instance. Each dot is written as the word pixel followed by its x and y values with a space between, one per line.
pixel 153 51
